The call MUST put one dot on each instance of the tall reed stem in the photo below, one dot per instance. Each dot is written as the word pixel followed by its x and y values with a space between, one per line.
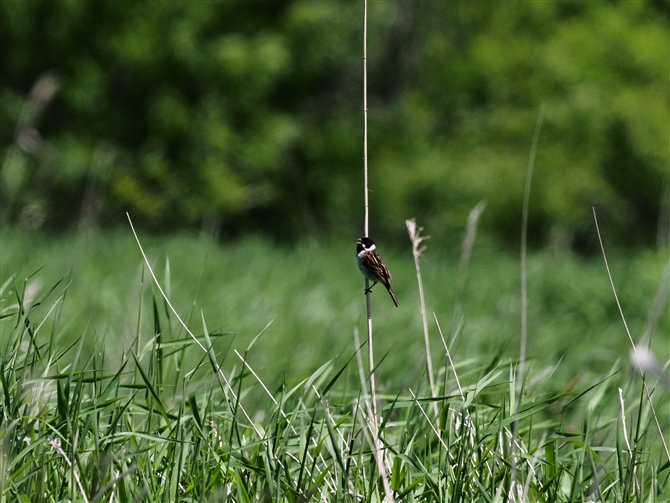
pixel 371 358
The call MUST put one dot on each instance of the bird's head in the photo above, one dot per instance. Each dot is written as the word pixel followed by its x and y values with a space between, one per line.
pixel 365 244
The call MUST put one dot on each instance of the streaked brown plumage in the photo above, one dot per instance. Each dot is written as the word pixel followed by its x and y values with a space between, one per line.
pixel 372 266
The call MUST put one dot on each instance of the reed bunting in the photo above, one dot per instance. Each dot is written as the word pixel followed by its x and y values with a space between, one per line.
pixel 372 266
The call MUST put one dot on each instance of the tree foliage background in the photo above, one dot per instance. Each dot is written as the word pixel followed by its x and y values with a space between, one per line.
pixel 238 117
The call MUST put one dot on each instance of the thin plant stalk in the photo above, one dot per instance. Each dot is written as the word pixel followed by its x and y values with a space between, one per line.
pixel 188 330
pixel 371 358
pixel 524 261
pixel 630 338
pixel 523 344
pixel 369 426
pixel 27 138
pixel 466 253
pixel 365 121
pixel 416 238
pixel 451 362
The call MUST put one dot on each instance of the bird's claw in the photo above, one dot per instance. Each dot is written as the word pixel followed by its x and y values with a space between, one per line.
pixel 369 289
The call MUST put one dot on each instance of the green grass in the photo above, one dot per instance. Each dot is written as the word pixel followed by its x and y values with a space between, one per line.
pixel 314 294
pixel 105 397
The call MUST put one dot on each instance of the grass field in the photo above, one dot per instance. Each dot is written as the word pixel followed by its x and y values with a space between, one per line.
pixel 107 398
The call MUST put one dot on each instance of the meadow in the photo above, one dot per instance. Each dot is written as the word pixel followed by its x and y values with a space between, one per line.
pixel 311 297
pixel 83 323
pixel 107 397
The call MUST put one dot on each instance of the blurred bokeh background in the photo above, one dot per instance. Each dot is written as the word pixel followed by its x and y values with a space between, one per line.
pixel 232 132
pixel 246 117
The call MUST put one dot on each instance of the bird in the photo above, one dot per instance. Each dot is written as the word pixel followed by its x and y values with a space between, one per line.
pixel 372 266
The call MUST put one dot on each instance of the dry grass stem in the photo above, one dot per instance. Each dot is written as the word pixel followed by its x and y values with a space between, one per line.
pixel 466 253
pixel 416 238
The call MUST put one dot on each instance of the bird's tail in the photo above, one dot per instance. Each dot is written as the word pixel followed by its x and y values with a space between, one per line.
pixel 395 299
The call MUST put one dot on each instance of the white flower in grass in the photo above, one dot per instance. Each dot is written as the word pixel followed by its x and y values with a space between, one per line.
pixel 644 360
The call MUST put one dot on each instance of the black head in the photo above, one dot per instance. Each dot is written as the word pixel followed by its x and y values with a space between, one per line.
pixel 364 244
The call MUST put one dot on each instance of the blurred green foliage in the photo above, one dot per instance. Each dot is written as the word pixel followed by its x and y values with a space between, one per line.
pixel 247 116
